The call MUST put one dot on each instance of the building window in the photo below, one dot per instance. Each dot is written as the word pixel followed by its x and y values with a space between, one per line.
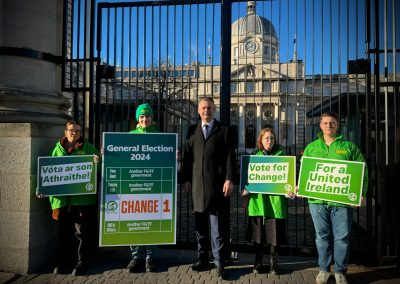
pixel 250 87
pixel 268 113
pixel 327 91
pixel 284 130
pixel 216 88
pixel 118 74
pixel 250 114
pixel 266 87
pixel 285 87
pixel 273 54
pixel 235 52
pixel 233 87
pixel 266 51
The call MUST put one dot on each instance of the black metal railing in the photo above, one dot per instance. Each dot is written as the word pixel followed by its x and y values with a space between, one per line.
pixel 278 63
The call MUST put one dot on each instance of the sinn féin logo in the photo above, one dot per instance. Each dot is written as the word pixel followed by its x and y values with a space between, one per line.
pixel 112 206
pixel 288 187
pixel 352 196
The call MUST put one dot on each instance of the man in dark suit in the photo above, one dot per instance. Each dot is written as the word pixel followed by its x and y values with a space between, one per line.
pixel 208 166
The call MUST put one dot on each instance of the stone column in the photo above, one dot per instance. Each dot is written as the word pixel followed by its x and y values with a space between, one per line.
pixel 33 112
pixel 241 126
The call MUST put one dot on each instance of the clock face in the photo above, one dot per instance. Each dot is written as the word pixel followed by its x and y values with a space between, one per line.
pixel 251 46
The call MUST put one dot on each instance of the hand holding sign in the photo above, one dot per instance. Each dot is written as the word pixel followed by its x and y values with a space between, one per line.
pixel 268 174
pixel 332 180
pixel 66 175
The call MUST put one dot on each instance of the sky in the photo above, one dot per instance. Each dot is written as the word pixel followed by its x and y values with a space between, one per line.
pixel 326 33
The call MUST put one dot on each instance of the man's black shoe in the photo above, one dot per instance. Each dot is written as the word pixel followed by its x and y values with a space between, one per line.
pixel 79 269
pixel 199 265
pixel 220 271
pixel 133 265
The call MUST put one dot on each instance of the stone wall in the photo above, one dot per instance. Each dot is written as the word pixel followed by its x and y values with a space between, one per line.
pixel 27 231
pixel 33 112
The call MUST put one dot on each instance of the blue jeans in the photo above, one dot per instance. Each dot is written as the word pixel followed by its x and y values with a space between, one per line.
pixel 332 228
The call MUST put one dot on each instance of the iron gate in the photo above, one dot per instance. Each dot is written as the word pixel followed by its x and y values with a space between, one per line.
pixel 278 63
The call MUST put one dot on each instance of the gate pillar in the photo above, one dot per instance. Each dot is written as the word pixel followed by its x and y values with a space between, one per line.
pixel 33 112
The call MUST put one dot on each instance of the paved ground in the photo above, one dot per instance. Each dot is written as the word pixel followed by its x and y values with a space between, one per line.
pixel 173 267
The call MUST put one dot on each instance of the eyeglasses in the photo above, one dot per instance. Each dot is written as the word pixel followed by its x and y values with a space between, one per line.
pixel 268 139
pixel 74 130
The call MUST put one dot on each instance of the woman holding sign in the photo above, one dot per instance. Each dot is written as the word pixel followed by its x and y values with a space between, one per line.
pixel 75 214
pixel 267 213
pixel 332 221
pixel 144 117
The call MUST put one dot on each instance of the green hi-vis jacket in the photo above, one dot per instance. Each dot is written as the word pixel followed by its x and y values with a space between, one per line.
pixel 272 206
pixel 150 129
pixel 84 199
pixel 340 150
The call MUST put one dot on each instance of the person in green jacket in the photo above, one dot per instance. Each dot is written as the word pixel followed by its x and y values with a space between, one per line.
pixel 267 213
pixel 332 221
pixel 144 117
pixel 75 214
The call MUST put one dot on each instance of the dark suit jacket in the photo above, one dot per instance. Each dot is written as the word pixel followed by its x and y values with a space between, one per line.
pixel 207 163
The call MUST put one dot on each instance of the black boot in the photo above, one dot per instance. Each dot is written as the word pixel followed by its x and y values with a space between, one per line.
pixel 274 269
pixel 79 269
pixel 257 268
pixel 149 265
pixel 133 265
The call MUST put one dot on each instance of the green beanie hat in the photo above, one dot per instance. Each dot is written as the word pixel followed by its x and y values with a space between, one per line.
pixel 143 109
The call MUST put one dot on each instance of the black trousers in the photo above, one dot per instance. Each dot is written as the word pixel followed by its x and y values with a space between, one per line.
pixel 84 218
pixel 65 236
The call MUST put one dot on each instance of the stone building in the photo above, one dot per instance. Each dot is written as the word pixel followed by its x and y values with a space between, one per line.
pixel 264 91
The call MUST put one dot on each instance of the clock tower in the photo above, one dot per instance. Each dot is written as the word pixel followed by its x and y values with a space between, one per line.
pixel 254 39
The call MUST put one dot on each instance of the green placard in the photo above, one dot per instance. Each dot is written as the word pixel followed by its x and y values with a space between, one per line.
pixel 268 174
pixel 332 180
pixel 138 198
pixel 67 175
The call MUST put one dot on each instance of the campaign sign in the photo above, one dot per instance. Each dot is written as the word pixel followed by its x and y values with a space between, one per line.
pixel 332 180
pixel 138 197
pixel 67 175
pixel 268 174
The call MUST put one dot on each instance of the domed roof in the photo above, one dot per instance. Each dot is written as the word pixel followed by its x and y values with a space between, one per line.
pixel 252 24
